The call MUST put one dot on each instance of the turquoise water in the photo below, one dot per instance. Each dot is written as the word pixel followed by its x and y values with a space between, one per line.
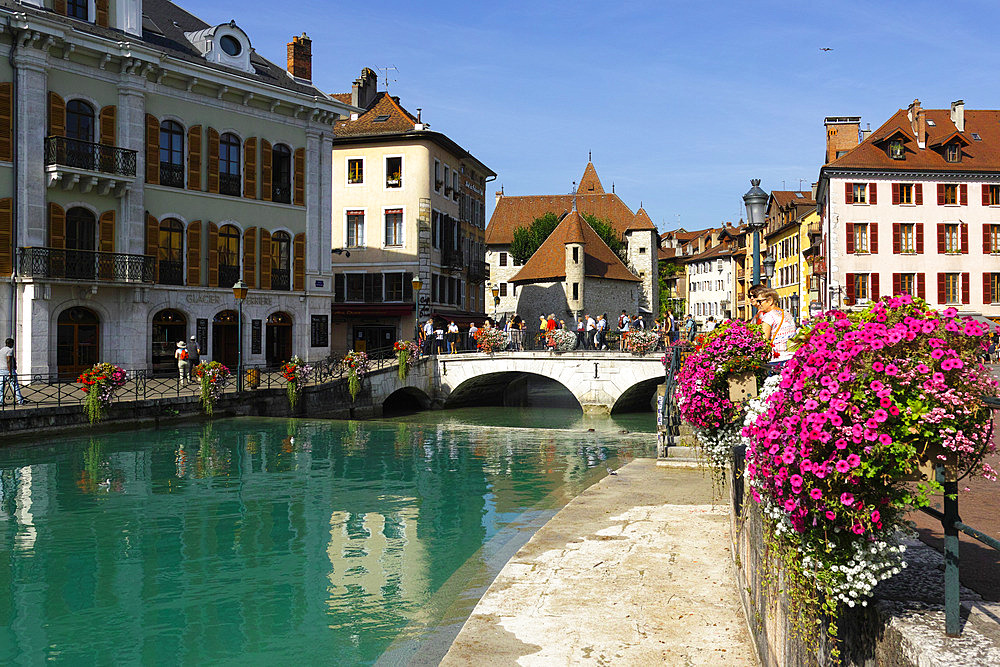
pixel 269 541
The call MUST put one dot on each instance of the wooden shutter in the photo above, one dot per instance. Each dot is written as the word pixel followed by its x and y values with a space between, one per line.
pixel 57 115
pixel 213 255
pixel 59 7
pixel 873 238
pixel 873 286
pixel 265 259
pixel 897 281
pixel 849 231
pixel 106 232
pixel 986 194
pixel 919 236
pixel 965 288
pixel 101 11
pixel 963 194
pixel 299 176
pixel 921 281
pixel 194 253
pixel 942 290
pixel 109 125
pixel 6 121
pixel 849 278
pixel 6 236
pixel 153 242
pixel 250 257
pixel 940 193
pixel 918 194
pixel 194 157
pixel 265 171
pixel 57 226
pixel 849 193
pixel 965 238
pixel 299 262
pixel 152 149
pixel 987 245
pixel 250 168
pixel 941 238
pixel 987 294
pixel 895 193
pixel 213 161
pixel 872 193
pixel 897 241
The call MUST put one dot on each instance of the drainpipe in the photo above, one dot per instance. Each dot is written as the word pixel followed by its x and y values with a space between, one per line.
pixel 12 318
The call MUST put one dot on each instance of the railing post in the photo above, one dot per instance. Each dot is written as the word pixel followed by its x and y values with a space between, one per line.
pixel 952 603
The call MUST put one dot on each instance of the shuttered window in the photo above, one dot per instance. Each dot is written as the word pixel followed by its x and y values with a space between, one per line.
pixel 266 160
pixel 299 167
pixel 6 122
pixel 281 174
pixel 170 252
pixel 194 254
pixel 229 165
pixel 152 150
pixel 6 236
pixel 299 262
pixel 250 257
pixel 250 168
pixel 194 157
pixel 171 154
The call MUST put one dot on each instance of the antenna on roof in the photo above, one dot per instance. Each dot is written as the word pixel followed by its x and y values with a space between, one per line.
pixel 590 157
pixel 800 183
pixel 612 187
pixel 385 69
pixel 574 195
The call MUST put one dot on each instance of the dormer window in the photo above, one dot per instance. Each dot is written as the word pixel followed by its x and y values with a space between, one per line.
pixel 230 45
pixel 224 44
pixel 953 152
pixel 896 149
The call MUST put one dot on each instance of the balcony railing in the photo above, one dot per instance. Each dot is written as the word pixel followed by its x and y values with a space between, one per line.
pixel 454 259
pixel 228 275
pixel 171 272
pixel 89 156
pixel 479 271
pixel 281 194
pixel 88 265
pixel 172 175
pixel 281 279
pixel 229 184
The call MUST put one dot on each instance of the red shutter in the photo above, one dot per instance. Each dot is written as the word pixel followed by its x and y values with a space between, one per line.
pixel 942 293
pixel 872 194
pixel 940 238
pixel 963 194
pixel 987 247
pixel 849 230
pixel 965 238
pixel 897 279
pixel 986 194
pixel 873 238
pixel 849 279
pixel 895 193
pixel 965 288
pixel 919 237
pixel 918 194
pixel 849 192
pixel 873 280
pixel 897 242
pixel 921 281
pixel 940 191
pixel 987 297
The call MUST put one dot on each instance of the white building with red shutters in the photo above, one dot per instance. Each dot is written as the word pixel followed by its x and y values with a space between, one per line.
pixel 913 207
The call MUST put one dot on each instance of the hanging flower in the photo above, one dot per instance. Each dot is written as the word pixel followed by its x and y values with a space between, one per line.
pixel 295 371
pixel 407 352
pixel 100 382
pixel 357 366
pixel 213 377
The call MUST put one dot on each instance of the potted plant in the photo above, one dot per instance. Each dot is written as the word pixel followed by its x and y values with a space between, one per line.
pixel 212 376
pixel 407 353
pixel 357 366
pixel 295 371
pixel 100 382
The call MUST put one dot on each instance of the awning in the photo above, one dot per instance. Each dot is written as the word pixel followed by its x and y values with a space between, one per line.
pixel 459 318
pixel 372 309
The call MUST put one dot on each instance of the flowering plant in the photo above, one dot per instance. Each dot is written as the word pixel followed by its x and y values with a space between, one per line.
pixel 864 399
pixel 295 371
pixel 490 340
pixel 100 382
pixel 641 341
pixel 213 377
pixel 562 340
pixel 407 352
pixel 357 365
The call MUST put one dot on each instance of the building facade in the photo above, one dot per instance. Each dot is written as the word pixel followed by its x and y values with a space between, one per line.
pixel 915 208
pixel 711 278
pixel 410 203
pixel 153 161
pixel 786 214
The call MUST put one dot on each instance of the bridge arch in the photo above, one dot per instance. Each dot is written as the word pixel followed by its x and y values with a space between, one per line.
pixel 640 397
pixel 510 388
pixel 406 400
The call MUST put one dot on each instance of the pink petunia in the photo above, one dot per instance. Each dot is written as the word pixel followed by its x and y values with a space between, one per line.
pixel 847 499
pixel 843 466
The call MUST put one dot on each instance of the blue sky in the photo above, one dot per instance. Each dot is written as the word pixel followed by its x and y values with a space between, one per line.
pixel 680 102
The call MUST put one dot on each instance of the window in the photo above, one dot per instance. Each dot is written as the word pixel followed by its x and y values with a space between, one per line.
pixel 229 165
pixel 454 185
pixel 949 194
pixel 994 294
pixel 171 154
pixel 398 286
pixel 438 183
pixel 906 193
pixel 355 286
pixel 394 172
pixel 860 237
pixel 907 238
pixel 169 253
pixel 229 255
pixel 993 195
pixel 953 152
pixel 861 292
pixel 896 151
pixel 78 9
pixel 576 291
pixel 576 255
pixel 992 240
pixel 952 288
pixel 355 171
pixel 281 261
pixel 908 283
pixel 81 228
pixel 394 227
pixel 355 229
pixel 952 238
pixel 281 174
pixel 503 289
pixel 503 259
pixel 860 193
pixel 80 134
pixel 642 251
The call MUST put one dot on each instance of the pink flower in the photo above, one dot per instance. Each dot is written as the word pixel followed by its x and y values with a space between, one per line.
pixel 843 466
pixel 815 494
pixel 847 499
pixel 880 415
pixel 885 439
pixel 853 460
pixel 876 516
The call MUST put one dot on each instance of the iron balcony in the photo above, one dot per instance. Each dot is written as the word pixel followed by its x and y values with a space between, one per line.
pixel 85 265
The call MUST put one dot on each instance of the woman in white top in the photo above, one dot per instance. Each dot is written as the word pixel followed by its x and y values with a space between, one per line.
pixel 453 337
pixel 779 326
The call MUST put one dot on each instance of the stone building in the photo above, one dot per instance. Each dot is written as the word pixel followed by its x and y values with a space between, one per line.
pixel 148 161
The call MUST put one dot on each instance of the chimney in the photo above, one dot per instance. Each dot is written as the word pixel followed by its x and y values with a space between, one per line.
pixel 921 128
pixel 867 132
pixel 300 57
pixel 364 88
pixel 842 134
pixel 958 114
pixel 499 194
pixel 911 113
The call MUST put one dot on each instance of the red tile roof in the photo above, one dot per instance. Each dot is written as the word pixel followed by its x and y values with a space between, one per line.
pixel 395 119
pixel 590 183
pixel 548 264
pixel 641 222
pixel 797 197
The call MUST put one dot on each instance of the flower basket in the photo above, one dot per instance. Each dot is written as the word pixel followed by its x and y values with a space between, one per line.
pixel 357 365
pixel 213 377
pixel 295 372
pixel 490 340
pixel 742 387
pixel 100 382
pixel 560 340
pixel 407 353
pixel 641 341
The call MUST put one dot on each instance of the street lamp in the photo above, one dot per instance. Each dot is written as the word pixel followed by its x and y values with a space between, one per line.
pixel 795 307
pixel 769 263
pixel 417 284
pixel 756 201
pixel 496 301
pixel 240 292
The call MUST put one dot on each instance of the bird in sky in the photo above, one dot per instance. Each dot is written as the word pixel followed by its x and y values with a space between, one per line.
pixel 825 48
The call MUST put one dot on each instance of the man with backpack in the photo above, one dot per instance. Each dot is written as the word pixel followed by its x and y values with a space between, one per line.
pixel 194 357
pixel 181 355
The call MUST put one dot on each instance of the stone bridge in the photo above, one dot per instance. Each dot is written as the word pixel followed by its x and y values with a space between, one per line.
pixel 601 382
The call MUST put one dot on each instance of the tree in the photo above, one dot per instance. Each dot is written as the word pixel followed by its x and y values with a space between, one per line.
pixel 609 235
pixel 667 271
pixel 528 239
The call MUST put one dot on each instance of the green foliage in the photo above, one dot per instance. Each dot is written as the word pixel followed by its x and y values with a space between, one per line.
pixel 528 239
pixel 609 235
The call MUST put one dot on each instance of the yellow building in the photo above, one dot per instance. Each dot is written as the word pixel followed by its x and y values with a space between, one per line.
pixel 788 214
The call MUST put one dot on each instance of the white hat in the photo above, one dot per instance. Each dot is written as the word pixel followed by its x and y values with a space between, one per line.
pixel 181 344
pixel 194 338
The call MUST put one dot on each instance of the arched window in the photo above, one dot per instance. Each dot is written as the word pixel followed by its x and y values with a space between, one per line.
pixel 281 174
pixel 79 135
pixel 229 164
pixel 281 261
pixel 77 341
pixel 81 238
pixel 171 154
pixel 170 254
pixel 229 255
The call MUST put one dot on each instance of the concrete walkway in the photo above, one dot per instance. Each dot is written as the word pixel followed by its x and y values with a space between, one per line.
pixel 635 571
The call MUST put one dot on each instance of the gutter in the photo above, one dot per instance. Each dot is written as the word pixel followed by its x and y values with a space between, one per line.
pixel 12 315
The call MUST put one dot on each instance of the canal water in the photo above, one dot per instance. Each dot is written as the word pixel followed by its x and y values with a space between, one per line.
pixel 270 541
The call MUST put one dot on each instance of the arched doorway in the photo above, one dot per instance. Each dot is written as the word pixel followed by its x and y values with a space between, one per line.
pixel 169 326
pixel 77 341
pixel 225 338
pixel 279 339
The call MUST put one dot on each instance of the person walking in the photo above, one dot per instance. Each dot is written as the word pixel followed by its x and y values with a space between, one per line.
pixel 439 341
pixel 690 327
pixel 194 357
pixel 581 332
pixel 591 330
pixel 623 328
pixel 428 336
pixel 602 326
pixel 8 374
pixel 670 328
pixel 472 336
pixel 453 337
pixel 516 332
pixel 181 355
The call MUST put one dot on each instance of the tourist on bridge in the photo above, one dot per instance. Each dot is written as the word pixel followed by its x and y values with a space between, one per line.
pixel 779 326
pixel 690 327
pixel 472 336
pixel 181 355
pixel 591 330
pixel 428 336
pixel 453 337
pixel 194 357
pixel 623 327
pixel 602 328
pixel 710 325
pixel 581 332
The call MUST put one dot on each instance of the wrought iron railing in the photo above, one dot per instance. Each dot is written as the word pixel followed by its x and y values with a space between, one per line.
pixel 454 259
pixel 281 194
pixel 229 184
pixel 479 271
pixel 281 279
pixel 171 272
pixel 228 275
pixel 85 265
pixel 90 156
pixel 172 175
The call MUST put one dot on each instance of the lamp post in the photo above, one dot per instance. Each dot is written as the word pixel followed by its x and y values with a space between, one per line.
pixel 417 284
pixel 496 301
pixel 240 292
pixel 795 307
pixel 769 262
pixel 755 201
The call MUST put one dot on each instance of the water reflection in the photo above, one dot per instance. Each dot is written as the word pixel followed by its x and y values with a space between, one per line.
pixel 270 540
